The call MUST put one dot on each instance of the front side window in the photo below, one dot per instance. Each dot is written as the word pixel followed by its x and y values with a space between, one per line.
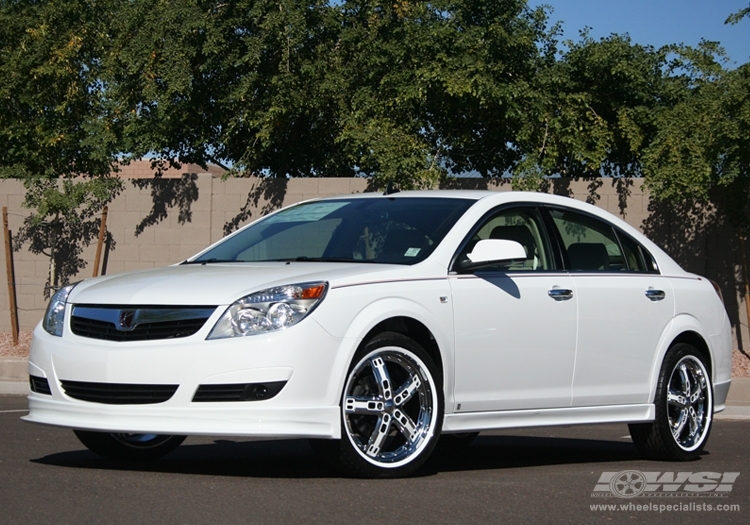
pixel 522 225
pixel 403 230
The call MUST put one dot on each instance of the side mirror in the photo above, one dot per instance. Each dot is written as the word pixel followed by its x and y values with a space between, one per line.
pixel 491 251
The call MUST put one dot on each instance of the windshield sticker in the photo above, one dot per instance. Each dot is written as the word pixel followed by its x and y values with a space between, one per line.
pixel 306 212
pixel 412 252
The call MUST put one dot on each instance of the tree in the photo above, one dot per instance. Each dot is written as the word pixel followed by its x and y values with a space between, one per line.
pixel 735 18
pixel 403 91
pixel 700 151
pixel 54 122
pixel 590 113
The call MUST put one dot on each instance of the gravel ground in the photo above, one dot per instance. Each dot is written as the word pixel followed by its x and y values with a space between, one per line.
pixel 6 344
pixel 740 360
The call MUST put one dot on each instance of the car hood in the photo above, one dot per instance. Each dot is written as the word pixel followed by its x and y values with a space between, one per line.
pixel 219 284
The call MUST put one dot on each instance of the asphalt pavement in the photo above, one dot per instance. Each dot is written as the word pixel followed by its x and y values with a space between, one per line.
pixel 543 475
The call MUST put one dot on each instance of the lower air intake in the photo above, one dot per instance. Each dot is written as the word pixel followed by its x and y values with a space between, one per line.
pixel 118 393
pixel 238 392
pixel 39 385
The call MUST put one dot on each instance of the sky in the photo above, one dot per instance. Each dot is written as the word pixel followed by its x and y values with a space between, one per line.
pixel 657 22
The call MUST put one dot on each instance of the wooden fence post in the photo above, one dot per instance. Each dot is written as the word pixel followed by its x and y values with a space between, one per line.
pixel 11 277
pixel 102 231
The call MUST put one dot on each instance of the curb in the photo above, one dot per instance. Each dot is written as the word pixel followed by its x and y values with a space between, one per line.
pixel 14 375
pixel 734 413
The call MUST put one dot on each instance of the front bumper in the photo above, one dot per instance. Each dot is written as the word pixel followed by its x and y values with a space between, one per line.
pixel 215 420
pixel 306 357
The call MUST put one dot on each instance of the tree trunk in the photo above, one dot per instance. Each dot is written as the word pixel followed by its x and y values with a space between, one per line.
pixel 745 280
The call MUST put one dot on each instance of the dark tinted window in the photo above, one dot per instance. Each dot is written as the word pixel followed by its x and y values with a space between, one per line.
pixel 590 244
pixel 635 255
pixel 594 245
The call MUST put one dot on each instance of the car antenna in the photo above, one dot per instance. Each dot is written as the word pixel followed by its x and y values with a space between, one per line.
pixel 390 188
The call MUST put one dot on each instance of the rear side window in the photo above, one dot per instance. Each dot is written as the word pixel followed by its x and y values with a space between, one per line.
pixel 592 245
pixel 636 256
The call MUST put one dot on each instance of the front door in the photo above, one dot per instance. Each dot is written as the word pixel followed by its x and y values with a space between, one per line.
pixel 515 324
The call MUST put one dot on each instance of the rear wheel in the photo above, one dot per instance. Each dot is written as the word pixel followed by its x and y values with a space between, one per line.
pixel 137 447
pixel 684 408
pixel 391 410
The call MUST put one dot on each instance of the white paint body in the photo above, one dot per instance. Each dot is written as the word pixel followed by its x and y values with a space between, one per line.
pixel 511 355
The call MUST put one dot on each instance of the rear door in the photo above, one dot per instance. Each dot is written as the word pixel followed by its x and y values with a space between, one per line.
pixel 624 306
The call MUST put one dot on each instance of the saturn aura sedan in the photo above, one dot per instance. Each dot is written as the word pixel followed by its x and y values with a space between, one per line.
pixel 377 324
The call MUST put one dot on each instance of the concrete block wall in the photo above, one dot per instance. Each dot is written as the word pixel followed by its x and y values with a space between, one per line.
pixel 214 205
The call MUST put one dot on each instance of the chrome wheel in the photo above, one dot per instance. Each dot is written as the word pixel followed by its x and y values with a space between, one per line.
pixel 389 406
pixel 688 402
pixel 683 407
pixel 391 410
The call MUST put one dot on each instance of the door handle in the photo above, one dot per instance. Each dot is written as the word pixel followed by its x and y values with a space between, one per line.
pixel 655 295
pixel 560 294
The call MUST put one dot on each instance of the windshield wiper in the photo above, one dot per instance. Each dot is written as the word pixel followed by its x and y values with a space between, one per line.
pixel 210 261
pixel 304 258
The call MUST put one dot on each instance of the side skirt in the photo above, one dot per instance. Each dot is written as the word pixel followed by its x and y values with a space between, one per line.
pixel 474 421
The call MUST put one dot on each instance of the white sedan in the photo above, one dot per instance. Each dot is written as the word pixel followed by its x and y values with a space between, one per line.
pixel 374 324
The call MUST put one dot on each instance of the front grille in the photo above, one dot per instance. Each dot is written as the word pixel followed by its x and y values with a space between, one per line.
pixel 144 323
pixel 118 393
pixel 40 385
pixel 237 392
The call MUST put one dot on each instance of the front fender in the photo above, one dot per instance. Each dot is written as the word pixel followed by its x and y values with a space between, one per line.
pixel 352 312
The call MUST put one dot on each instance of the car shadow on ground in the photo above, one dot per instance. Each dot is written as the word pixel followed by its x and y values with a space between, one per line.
pixel 295 458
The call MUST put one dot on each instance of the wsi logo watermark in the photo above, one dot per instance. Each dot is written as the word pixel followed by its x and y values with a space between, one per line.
pixel 634 483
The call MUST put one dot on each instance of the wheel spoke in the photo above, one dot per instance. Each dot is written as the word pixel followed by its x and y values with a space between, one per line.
pixel 378 437
pixel 694 421
pixel 685 379
pixel 382 378
pixel 696 396
pixel 679 425
pixel 407 390
pixel 676 399
pixel 363 405
pixel 405 425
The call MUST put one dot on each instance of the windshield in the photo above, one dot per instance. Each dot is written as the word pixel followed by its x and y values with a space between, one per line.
pixel 380 230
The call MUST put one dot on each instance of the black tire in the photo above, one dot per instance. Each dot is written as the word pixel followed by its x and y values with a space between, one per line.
pixel 391 410
pixel 133 447
pixel 684 408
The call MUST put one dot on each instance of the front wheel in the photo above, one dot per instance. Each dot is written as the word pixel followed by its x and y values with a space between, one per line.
pixel 391 410
pixel 135 447
pixel 684 408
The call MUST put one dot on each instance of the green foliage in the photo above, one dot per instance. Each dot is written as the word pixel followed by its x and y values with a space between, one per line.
pixel 735 18
pixel 701 148
pixel 591 112
pixel 55 123
pixel 53 112
pixel 401 91
pixel 398 91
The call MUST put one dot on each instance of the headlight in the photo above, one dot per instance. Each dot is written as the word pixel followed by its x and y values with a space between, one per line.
pixel 54 317
pixel 269 310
